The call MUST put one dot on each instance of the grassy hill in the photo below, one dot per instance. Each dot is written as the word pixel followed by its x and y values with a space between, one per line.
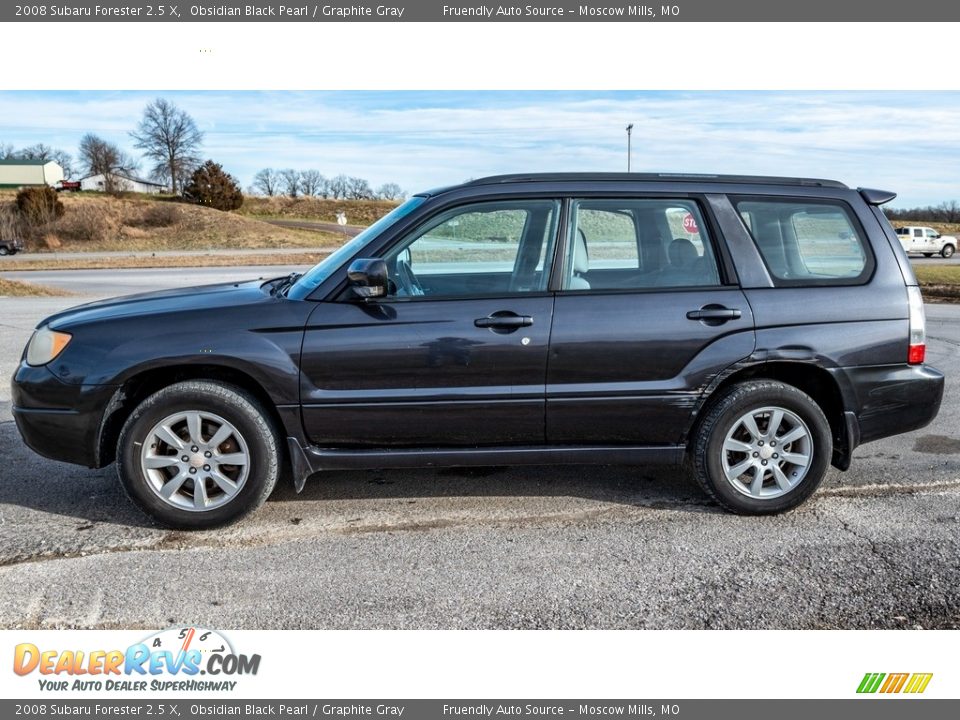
pixel 359 212
pixel 942 228
pixel 98 222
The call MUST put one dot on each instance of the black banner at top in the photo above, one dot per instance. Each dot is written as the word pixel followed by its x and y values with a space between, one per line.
pixel 468 11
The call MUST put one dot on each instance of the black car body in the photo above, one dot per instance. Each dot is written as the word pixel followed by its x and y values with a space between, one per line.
pixel 568 318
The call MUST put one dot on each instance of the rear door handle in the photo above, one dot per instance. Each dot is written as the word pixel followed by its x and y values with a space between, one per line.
pixel 714 314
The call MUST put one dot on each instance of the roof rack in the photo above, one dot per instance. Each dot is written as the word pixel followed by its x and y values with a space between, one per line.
pixel 653 177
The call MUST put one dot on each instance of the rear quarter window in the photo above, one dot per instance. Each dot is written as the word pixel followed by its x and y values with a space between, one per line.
pixel 808 242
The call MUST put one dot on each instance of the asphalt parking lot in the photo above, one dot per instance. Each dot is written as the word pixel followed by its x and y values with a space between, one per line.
pixel 877 547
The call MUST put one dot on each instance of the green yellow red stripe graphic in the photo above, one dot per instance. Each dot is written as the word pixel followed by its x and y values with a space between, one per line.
pixel 913 683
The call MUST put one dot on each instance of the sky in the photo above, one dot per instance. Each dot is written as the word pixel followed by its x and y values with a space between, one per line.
pixel 908 142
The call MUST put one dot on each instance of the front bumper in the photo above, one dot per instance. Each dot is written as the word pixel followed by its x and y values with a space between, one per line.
pixel 59 420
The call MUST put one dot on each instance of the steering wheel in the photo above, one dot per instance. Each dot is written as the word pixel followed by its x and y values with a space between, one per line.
pixel 408 281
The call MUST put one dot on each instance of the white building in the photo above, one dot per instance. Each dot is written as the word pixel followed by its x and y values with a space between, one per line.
pixel 123 183
pixel 21 173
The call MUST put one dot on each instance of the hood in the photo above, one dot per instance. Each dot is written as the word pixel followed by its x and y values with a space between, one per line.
pixel 162 301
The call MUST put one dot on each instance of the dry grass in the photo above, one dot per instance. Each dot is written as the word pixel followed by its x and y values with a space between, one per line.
pixel 940 283
pixel 305 259
pixel 16 288
pixel 359 212
pixel 96 222
pixel 942 228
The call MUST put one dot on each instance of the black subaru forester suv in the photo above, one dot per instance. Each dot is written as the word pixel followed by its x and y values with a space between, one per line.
pixel 758 329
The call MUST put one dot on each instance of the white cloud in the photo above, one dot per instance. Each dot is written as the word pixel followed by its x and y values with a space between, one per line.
pixel 909 142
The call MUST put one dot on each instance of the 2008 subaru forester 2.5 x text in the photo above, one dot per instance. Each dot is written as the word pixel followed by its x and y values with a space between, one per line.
pixel 760 328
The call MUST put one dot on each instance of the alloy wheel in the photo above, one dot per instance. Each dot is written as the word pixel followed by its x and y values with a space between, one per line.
pixel 767 452
pixel 195 460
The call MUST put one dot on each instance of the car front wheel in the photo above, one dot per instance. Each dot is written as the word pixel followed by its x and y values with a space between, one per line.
pixel 762 448
pixel 198 454
pixel 948 251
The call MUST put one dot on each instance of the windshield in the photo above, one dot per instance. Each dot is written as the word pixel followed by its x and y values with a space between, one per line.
pixel 310 280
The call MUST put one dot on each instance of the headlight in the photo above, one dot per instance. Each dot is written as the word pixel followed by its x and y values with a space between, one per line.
pixel 45 345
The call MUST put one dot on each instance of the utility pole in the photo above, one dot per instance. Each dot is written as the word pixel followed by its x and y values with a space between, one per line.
pixel 629 132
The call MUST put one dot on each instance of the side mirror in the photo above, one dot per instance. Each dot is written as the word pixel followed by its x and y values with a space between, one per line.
pixel 368 278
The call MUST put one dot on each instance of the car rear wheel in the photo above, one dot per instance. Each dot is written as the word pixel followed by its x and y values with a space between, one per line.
pixel 763 447
pixel 948 251
pixel 198 454
pixel 4 251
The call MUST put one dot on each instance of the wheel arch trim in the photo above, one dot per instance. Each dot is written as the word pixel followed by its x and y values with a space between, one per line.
pixel 824 386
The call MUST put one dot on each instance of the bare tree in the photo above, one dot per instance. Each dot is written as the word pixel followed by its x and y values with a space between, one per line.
pixel 946 212
pixel 290 182
pixel 359 189
pixel 266 182
pixel 100 157
pixel 169 137
pixel 339 187
pixel 312 183
pixel 46 153
pixel 65 161
pixel 391 191
pixel 36 152
pixel 6 151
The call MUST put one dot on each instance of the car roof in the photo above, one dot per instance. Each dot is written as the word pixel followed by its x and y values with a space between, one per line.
pixel 653 177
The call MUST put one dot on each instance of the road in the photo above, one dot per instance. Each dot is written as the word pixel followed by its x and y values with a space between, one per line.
pixel 498 547
pixel 935 260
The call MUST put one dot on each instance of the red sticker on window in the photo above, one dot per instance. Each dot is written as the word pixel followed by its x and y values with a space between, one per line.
pixel 690 224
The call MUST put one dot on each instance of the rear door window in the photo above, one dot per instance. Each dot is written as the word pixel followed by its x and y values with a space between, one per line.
pixel 807 242
pixel 638 243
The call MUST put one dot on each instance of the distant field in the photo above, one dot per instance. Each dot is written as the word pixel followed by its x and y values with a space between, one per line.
pixel 305 258
pixel 96 222
pixel 942 228
pixel 16 288
pixel 358 212
pixel 939 282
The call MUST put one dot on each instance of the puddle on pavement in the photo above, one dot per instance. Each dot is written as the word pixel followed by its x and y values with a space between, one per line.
pixel 937 445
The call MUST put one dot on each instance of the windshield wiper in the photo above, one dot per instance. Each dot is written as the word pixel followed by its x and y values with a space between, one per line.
pixel 281 287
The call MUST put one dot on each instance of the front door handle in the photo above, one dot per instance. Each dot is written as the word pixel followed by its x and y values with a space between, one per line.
pixel 504 321
pixel 714 314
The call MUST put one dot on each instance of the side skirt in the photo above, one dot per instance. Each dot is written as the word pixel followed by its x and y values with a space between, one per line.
pixel 309 460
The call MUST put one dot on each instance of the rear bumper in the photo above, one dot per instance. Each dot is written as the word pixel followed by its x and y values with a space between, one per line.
pixel 56 419
pixel 889 400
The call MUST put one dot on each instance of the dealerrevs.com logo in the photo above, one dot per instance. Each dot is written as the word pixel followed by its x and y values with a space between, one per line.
pixel 910 683
pixel 178 659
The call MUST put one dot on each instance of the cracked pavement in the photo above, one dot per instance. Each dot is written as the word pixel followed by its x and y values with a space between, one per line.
pixel 543 547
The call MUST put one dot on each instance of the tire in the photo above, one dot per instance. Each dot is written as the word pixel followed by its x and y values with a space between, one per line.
pixel 717 442
pixel 148 461
pixel 947 251
pixel 4 251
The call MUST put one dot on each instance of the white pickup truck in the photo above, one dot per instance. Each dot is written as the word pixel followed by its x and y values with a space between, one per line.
pixel 926 241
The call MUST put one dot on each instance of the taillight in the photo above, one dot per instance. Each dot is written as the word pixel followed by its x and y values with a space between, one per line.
pixel 918 327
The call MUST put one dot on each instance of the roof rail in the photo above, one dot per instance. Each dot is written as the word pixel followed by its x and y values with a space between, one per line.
pixel 653 177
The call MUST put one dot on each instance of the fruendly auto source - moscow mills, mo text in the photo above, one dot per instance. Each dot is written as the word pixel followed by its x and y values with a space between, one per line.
pixel 341 11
